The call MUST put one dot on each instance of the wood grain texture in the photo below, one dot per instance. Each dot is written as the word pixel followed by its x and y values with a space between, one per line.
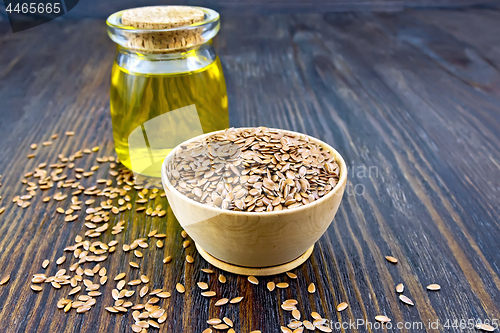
pixel 412 98
pixel 102 9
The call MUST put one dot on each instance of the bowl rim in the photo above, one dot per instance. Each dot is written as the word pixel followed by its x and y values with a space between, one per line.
pixel 340 183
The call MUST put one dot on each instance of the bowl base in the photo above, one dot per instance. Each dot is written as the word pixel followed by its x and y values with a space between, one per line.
pixel 256 271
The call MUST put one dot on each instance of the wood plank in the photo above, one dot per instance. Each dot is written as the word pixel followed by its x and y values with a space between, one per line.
pixel 411 101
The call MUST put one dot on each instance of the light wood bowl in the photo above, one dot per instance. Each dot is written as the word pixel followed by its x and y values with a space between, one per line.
pixel 241 241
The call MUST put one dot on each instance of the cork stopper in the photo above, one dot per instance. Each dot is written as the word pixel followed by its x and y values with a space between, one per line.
pixel 163 17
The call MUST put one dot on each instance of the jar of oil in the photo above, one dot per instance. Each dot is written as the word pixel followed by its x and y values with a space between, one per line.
pixel 167 84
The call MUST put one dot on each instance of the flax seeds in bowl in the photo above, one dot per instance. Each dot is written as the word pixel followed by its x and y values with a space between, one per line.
pixel 254 197
pixel 253 170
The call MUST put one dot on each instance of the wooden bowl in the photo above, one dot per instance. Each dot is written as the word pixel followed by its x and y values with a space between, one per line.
pixel 255 243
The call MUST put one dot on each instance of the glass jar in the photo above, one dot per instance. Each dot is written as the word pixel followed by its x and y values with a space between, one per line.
pixel 167 86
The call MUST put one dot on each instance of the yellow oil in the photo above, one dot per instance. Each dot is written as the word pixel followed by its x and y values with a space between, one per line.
pixel 152 113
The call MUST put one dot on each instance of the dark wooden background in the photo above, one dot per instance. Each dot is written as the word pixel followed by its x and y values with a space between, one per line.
pixel 414 94
pixel 102 9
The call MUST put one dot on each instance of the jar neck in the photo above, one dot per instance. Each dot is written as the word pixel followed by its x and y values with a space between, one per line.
pixel 189 60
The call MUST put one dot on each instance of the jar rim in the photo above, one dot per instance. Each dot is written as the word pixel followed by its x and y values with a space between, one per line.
pixel 210 16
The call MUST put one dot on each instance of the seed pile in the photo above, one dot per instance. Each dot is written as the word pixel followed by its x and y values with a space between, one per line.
pixel 254 170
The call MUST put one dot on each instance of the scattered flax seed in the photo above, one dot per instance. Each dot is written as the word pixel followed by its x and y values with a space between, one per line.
pixel 291 275
pixel 69 133
pixel 166 260
pixel 120 284
pixel 74 290
pixel 159 244
pixel 38 279
pixel 202 285
pixel 208 293
pixel 270 286
pixel 221 327
pixel 154 292
pixel 400 288
pixel 154 300
pixel 2 209
pixel 485 327
pixel 214 321
pixel 316 315
pixel 295 324
pixel 392 260
pixel 134 264
pixel 33 146
pixel 47 143
pixel 121 308
pixel 186 244
pixel 252 279
pixel 222 278
pixel 296 314
pixel 36 288
pixel 282 285
pixel 144 279
pixel 61 260
pixel 382 319
pixel 287 330
pixel 207 270
pixel 134 282
pixel 112 310
pixel 288 307
pixel 342 306
pixel 406 300
pixel 236 300
pixel 82 309
pixel 119 276
pixel 189 259
pixel 222 301
pixel 143 291
pixel 228 321
pixel 45 263
pixel 184 234
pixel 68 306
pixel 433 287
pixel 4 280
pixel 180 288
pixel 311 289
pixel 163 294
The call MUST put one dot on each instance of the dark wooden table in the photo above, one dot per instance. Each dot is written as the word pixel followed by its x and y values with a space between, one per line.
pixel 411 100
